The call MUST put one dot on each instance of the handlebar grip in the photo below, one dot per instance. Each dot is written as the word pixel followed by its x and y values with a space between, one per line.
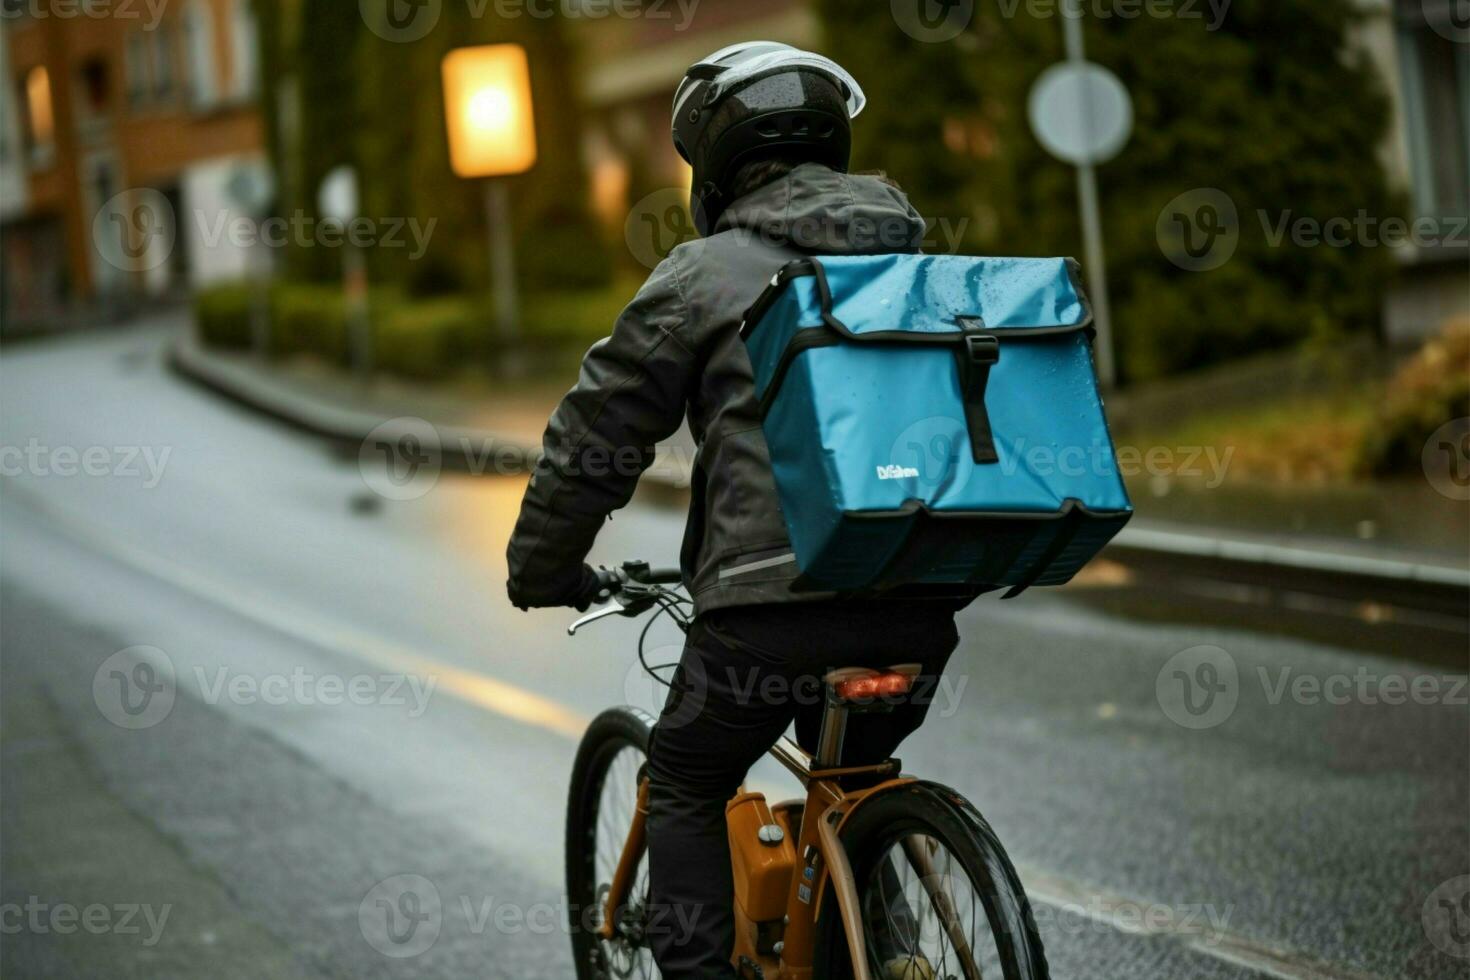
pixel 664 576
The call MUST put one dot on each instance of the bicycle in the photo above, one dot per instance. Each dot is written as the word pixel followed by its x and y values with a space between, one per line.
pixel 872 883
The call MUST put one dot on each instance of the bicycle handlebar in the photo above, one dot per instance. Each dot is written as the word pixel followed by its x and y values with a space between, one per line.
pixel 634 582
pixel 614 580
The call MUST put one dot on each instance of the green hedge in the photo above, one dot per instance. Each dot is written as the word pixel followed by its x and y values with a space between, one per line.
pixel 223 315
pixel 422 339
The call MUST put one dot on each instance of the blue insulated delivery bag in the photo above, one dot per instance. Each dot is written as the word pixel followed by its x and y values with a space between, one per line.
pixel 934 420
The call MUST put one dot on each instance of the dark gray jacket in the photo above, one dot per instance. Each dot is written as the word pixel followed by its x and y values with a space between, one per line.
pixel 676 350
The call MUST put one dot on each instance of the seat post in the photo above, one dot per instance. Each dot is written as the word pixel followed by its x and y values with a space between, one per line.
pixel 834 730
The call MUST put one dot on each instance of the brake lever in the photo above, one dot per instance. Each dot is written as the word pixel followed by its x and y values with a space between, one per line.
pixel 640 605
pixel 613 608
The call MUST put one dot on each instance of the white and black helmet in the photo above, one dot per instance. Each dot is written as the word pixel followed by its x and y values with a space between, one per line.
pixel 754 99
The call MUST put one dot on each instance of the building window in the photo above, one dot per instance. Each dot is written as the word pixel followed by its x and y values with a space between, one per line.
pixel 199 41
pixel 136 68
pixel 244 50
pixel 94 83
pixel 163 63
pixel 1436 81
pixel 40 122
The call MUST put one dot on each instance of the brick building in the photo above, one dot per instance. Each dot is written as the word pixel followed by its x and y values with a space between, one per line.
pixel 103 97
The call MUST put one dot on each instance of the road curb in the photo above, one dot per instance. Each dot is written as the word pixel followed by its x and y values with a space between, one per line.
pixel 351 428
pixel 1271 554
pixel 463 449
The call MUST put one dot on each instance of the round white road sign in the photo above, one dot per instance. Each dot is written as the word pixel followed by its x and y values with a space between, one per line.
pixel 1081 112
pixel 337 198
pixel 251 187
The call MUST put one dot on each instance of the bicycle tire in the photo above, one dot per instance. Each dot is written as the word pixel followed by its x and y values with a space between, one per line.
pixel 944 815
pixel 610 733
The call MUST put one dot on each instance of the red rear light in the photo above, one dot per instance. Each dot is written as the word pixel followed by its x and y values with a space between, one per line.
pixel 873 686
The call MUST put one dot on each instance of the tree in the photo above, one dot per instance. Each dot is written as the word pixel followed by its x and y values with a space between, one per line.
pixel 342 94
pixel 1272 107
pixel 329 119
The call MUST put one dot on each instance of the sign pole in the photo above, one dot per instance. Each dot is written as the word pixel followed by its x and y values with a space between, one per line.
pixel 262 268
pixel 359 320
pixel 1092 236
pixel 502 260
pixel 339 202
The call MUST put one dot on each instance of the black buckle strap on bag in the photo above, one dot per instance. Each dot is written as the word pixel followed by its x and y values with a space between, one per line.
pixel 978 353
pixel 1069 524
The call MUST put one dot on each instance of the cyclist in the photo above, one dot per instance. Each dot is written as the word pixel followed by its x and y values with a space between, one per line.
pixel 767 131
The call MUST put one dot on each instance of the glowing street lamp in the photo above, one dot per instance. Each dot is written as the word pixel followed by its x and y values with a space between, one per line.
pixel 492 135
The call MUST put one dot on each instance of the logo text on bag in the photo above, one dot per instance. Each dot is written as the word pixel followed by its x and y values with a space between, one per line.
pixel 897 473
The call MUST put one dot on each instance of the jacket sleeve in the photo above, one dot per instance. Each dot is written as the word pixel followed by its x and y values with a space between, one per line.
pixel 631 394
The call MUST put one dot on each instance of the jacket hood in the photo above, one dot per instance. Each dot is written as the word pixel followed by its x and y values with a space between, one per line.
pixel 820 210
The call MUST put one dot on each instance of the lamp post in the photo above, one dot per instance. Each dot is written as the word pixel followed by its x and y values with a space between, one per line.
pixel 492 135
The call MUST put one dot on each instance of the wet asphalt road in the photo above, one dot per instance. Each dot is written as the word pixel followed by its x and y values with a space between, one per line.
pixel 343 696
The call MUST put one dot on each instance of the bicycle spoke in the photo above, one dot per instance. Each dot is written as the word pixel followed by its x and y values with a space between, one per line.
pixel 923 911
pixel 623 957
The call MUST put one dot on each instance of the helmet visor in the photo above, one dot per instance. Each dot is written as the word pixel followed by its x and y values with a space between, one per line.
pixel 741 62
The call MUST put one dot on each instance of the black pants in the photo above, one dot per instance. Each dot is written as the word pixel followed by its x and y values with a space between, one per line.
pixel 745 675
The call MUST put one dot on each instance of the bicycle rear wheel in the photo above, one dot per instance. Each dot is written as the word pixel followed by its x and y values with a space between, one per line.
pixel 939 896
pixel 600 807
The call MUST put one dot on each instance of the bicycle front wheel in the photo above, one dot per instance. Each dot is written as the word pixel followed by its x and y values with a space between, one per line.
pixel 600 808
pixel 939 896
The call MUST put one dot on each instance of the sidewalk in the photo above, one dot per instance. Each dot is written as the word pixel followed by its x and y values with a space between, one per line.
pixel 480 430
